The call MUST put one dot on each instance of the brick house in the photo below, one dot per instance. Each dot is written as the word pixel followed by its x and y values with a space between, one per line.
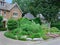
pixel 8 10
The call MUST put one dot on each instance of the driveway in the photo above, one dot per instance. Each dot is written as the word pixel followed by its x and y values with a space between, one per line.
pixel 7 41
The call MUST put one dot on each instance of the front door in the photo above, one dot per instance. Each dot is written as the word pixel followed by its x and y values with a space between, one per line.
pixel 4 24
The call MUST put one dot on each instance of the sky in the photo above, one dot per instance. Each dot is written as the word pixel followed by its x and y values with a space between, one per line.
pixel 9 1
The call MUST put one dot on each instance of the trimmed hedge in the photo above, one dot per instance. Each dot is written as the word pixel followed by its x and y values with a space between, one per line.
pixel 12 24
pixel 3 29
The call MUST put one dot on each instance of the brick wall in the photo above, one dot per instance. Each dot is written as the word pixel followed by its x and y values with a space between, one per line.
pixel 9 14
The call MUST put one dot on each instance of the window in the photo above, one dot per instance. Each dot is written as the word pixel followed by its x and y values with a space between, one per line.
pixel 15 14
pixel 1 3
pixel 4 13
pixel 15 6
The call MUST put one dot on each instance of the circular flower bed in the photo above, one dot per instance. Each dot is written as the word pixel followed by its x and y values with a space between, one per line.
pixel 29 30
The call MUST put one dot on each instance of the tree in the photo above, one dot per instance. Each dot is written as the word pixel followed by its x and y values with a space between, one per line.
pixel 23 4
pixel 49 8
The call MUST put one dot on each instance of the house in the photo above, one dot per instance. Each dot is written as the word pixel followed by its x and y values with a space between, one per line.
pixel 42 18
pixel 29 16
pixel 8 10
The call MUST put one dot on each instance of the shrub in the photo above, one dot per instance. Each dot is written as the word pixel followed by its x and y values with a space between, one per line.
pixel 46 37
pixel 14 34
pixel 35 35
pixel 35 28
pixel 37 20
pixel 23 21
pixel 32 31
pixel 12 24
pixel 1 18
pixel 56 24
pixel 17 31
pixel 1 25
pixel 9 35
pixel 26 27
pixel 3 29
pixel 32 28
pixel 54 29
pixel 45 28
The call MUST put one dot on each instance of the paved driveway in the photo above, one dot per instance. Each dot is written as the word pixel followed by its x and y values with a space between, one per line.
pixel 7 41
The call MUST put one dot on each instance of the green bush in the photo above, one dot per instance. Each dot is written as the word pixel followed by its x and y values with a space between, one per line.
pixel 14 34
pixel 54 29
pixel 35 35
pixel 1 18
pixel 46 37
pixel 17 31
pixel 45 28
pixel 1 25
pixel 56 24
pixel 26 27
pixel 37 20
pixel 35 28
pixel 3 29
pixel 23 21
pixel 12 24
pixel 9 35
pixel 30 29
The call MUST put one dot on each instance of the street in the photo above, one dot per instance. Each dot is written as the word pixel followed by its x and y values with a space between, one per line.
pixel 7 41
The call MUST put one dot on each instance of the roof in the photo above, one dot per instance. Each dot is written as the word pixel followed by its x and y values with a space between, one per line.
pixel 8 6
pixel 29 16
pixel 2 0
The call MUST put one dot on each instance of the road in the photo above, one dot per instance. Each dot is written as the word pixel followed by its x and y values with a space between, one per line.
pixel 7 41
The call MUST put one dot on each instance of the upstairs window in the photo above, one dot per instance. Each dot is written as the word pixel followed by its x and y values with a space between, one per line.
pixel 15 14
pixel 1 3
pixel 16 6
